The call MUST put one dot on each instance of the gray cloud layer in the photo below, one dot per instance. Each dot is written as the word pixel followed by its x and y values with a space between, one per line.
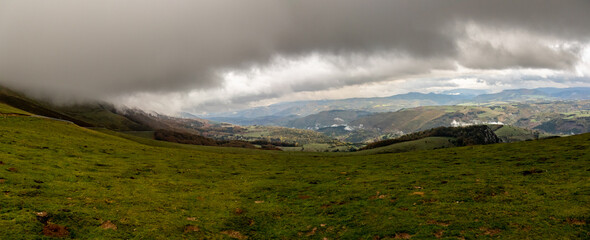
pixel 96 49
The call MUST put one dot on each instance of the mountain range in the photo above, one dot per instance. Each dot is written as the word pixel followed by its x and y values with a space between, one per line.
pixel 281 114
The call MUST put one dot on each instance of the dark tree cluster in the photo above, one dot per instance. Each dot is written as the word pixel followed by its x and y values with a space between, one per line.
pixel 464 136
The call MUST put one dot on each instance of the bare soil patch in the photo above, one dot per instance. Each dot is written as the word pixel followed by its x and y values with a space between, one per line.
pixel 191 228
pixel 402 236
pixel 574 221
pixel 490 231
pixel 54 230
pixel 108 225
pixel 234 234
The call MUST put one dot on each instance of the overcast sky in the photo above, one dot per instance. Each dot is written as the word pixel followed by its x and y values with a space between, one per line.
pixel 217 55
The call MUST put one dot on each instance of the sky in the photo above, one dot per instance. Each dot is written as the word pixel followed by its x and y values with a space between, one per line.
pixel 204 56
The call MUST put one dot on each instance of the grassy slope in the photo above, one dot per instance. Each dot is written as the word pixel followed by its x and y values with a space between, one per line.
pixel 7 109
pixel 154 191
pixel 102 116
pixel 98 115
pixel 514 134
pixel 427 143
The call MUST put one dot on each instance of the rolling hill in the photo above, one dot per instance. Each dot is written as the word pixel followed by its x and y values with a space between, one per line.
pixel 58 179
pixel 141 123
pixel 562 117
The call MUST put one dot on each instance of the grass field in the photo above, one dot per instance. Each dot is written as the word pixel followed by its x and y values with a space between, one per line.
pixel 93 182
pixel 6 109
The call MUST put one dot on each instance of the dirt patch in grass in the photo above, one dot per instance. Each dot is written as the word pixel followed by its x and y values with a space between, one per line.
pixel 12 169
pixel 439 233
pixel 418 193
pixel 312 232
pixel 303 197
pixel 490 231
pixel 402 236
pixel 54 230
pixel 574 221
pixel 434 222
pixel 234 234
pixel 108 225
pixel 238 211
pixel 378 196
pixel 2 180
pixel 191 228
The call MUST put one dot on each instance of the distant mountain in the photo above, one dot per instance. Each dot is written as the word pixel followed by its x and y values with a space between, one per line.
pixel 578 93
pixel 285 114
pixel 326 119
pixel 465 92
pixel 305 108
pixel 538 94
pixel 517 95
pixel 271 120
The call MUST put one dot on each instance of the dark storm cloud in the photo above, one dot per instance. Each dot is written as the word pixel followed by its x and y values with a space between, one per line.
pixel 102 48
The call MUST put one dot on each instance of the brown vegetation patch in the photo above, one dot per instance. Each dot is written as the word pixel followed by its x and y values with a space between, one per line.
pixel 191 228
pixel 234 234
pixel 402 236
pixel 418 193
pixel 432 200
pixel 54 230
pixel 312 232
pixel 490 231
pixel 303 197
pixel 439 233
pixel 12 169
pixel 434 222
pixel 2 180
pixel 332 204
pixel 378 196
pixel 574 221
pixel 238 211
pixel 189 138
pixel 108 225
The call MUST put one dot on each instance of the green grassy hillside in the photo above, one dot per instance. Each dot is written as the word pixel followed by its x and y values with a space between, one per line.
pixel 88 115
pixel 103 186
pixel 9 110
pixel 428 143
pixel 515 134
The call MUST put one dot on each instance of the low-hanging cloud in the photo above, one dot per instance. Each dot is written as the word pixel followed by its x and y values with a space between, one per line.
pixel 107 49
